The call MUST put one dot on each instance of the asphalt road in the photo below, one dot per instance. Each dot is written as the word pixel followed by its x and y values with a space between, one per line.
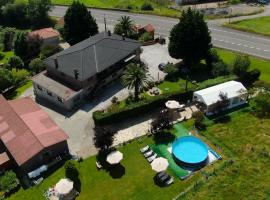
pixel 221 37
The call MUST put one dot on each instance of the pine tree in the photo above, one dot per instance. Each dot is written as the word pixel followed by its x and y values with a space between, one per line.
pixel 79 23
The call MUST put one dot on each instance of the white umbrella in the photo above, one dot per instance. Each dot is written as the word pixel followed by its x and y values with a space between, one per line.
pixel 172 104
pixel 159 164
pixel 64 186
pixel 114 157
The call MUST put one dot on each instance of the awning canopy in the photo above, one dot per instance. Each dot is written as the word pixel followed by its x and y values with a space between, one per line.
pixel 114 157
pixel 159 164
pixel 64 186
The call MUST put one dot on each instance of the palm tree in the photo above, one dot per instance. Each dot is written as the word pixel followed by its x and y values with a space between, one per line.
pixel 125 23
pixel 136 76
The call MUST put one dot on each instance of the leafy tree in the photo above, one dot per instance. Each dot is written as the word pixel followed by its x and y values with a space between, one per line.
pixel 252 76
pixel 163 121
pixel 240 65
pixel 38 13
pixel 190 39
pixel 79 23
pixel 15 62
pixel 34 44
pixel 6 79
pixel 71 171
pixel 262 101
pixel 36 65
pixel 136 76
pixel 19 75
pixel 124 26
pixel 8 36
pixel 16 15
pixel 220 69
pixel 4 2
pixel 212 57
pixel 21 45
pixel 103 138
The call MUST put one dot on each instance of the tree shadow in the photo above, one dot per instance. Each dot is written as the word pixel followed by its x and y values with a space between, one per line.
pixel 164 137
pixel 77 184
pixel 223 119
pixel 158 182
pixel 117 171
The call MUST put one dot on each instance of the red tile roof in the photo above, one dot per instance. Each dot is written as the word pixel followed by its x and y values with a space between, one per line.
pixel 45 33
pixel 25 129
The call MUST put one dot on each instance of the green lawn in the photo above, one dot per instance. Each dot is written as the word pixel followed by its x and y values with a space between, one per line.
pixel 262 65
pixel 123 4
pixel 16 93
pixel 137 182
pixel 246 140
pixel 7 54
pixel 260 25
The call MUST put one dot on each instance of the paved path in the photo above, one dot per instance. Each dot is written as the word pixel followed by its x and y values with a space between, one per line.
pixel 221 37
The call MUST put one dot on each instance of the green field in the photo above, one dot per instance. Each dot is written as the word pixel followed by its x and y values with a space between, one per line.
pixel 262 65
pixel 260 25
pixel 133 5
pixel 246 140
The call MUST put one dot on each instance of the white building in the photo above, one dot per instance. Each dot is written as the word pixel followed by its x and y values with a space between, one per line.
pixel 235 91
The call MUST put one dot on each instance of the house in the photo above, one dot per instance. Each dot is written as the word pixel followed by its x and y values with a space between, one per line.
pixel 81 70
pixel 28 136
pixel 235 91
pixel 49 36
pixel 149 28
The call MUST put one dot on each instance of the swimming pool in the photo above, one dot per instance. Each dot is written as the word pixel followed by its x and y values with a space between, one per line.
pixel 190 150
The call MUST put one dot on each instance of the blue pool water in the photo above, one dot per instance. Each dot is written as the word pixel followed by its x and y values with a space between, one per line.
pixel 190 150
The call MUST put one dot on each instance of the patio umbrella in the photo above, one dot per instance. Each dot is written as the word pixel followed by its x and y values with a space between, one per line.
pixel 173 104
pixel 114 157
pixel 159 164
pixel 64 186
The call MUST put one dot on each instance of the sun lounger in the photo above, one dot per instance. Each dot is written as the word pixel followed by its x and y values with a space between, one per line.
pixel 151 158
pixel 148 153
pixel 144 149
pixel 170 181
pixel 160 174
pixel 164 177
pixel 98 165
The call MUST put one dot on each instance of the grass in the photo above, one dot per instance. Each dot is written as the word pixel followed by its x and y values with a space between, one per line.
pixel 260 25
pixel 246 140
pixel 137 182
pixel 132 5
pixel 18 92
pixel 261 64
pixel 7 54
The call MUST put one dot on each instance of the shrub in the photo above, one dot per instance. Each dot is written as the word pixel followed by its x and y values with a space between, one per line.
pixel 48 51
pixel 15 62
pixel 147 6
pixel 8 181
pixel 171 70
pixel 2 55
pixel 199 120
pixel 215 81
pixel 145 37
pixel 262 84
pixel 240 65
pixel 262 101
pixel 6 79
pixel 103 138
pixel 251 76
pixel 220 69
pixel 212 57
pixel 19 75
pixel 71 170
pixel 36 65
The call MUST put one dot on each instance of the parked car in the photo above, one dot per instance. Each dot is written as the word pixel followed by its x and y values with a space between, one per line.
pixel 161 66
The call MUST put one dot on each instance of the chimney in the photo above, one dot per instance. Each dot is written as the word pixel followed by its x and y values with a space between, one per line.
pixel 76 74
pixel 56 63
pixel 123 36
pixel 109 33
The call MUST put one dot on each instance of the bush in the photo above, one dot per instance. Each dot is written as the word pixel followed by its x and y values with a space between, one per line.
pixel 8 181
pixel 212 57
pixel 36 65
pixel 71 170
pixel 2 55
pixel 262 101
pixel 48 51
pixel 171 70
pixel 6 79
pixel 262 84
pixel 240 65
pixel 199 120
pixel 251 76
pixel 220 69
pixel 19 75
pixel 147 6
pixel 145 37
pixel 15 62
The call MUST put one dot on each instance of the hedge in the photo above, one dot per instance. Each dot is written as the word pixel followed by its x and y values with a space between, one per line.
pixel 139 107
pixel 101 117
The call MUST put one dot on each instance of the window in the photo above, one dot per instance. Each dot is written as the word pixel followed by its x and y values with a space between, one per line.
pixel 49 93
pixel 235 100
pixel 60 99
pixel 40 88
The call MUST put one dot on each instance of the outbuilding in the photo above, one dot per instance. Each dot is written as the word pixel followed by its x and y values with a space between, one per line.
pixel 207 98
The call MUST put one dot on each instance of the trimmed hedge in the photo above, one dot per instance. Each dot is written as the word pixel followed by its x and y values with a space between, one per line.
pixel 143 106
pixel 101 117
